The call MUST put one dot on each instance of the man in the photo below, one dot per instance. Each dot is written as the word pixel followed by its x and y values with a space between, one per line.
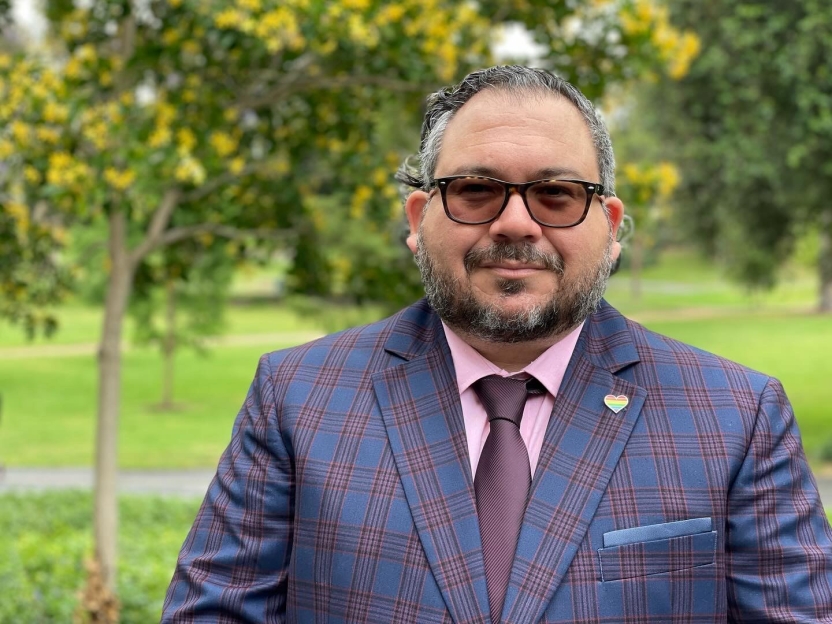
pixel 387 474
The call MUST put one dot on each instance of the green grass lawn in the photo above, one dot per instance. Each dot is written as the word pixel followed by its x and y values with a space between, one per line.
pixel 81 324
pixel 49 402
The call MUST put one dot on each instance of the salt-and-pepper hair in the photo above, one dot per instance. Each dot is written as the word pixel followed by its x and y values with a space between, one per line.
pixel 515 79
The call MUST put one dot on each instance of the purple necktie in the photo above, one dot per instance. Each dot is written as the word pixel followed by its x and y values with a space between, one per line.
pixel 503 480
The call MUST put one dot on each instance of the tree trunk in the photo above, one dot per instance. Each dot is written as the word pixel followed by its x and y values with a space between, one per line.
pixel 169 346
pixel 109 395
pixel 636 262
pixel 825 261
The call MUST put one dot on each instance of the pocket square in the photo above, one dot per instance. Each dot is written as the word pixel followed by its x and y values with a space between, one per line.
pixel 664 530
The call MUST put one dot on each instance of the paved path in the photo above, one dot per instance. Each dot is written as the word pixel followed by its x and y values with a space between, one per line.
pixel 269 341
pixel 167 482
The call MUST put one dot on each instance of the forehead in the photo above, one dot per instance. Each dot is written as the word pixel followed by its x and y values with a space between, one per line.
pixel 518 136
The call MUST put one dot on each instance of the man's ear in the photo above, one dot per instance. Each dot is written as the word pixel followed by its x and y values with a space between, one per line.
pixel 615 214
pixel 414 208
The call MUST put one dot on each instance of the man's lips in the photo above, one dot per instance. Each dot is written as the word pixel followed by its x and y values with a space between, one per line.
pixel 512 269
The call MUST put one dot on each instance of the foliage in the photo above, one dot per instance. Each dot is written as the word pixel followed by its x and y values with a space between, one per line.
pixel 750 126
pixel 601 43
pixel 197 279
pixel 241 114
pixel 647 188
pixel 45 537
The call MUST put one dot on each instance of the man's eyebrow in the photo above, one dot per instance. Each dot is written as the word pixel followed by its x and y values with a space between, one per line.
pixel 547 173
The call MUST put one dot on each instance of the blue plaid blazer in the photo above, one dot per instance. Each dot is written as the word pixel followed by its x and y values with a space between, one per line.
pixel 346 493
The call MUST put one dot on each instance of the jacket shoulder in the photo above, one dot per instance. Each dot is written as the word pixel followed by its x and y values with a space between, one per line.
pixel 366 347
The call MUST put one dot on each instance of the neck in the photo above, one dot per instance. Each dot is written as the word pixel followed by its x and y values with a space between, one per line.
pixel 511 357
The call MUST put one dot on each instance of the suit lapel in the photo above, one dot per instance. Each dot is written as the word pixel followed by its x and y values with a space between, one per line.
pixel 419 402
pixel 584 441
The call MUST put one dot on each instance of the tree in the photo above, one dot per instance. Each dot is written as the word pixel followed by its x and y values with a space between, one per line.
pixel 647 188
pixel 751 128
pixel 165 121
pixel 187 286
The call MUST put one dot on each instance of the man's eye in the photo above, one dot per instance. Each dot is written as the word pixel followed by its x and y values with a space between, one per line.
pixel 476 189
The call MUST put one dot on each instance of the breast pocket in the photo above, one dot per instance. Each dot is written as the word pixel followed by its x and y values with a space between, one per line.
pixel 657 548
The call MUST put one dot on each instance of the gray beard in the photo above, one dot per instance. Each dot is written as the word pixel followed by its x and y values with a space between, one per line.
pixel 456 305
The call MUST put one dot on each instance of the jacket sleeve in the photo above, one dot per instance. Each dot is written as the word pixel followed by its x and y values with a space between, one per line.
pixel 233 565
pixel 778 540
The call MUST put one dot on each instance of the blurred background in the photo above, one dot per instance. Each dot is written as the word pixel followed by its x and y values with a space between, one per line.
pixel 187 184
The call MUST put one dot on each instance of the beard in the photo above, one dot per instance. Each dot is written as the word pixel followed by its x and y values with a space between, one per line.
pixel 568 306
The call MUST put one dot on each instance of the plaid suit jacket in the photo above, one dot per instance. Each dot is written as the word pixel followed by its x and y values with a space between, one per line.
pixel 346 494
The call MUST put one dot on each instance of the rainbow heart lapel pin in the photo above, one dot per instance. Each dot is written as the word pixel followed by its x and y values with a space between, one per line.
pixel 616 403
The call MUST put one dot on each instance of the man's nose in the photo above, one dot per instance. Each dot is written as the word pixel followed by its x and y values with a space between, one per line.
pixel 515 222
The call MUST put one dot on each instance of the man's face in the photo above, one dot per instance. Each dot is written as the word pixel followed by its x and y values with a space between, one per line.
pixel 513 280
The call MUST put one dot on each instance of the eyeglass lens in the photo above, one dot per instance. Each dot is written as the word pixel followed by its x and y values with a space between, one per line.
pixel 552 202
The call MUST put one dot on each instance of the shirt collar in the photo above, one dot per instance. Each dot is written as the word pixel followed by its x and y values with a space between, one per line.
pixel 548 368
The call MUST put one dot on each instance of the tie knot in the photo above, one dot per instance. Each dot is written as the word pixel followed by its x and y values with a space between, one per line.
pixel 505 397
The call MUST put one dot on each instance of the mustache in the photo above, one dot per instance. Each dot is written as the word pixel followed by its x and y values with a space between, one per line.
pixel 517 252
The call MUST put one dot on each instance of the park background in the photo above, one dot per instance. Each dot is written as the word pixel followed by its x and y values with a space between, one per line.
pixel 187 184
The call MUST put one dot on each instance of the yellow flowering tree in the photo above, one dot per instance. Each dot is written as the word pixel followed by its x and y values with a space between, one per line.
pixel 646 188
pixel 168 121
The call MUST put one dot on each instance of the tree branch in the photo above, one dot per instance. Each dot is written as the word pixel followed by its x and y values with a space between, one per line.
pixel 158 224
pixel 295 86
pixel 220 180
pixel 177 234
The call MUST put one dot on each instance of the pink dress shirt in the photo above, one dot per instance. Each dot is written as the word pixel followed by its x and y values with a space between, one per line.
pixel 549 369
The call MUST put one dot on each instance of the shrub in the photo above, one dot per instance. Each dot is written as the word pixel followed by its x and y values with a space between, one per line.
pixel 46 537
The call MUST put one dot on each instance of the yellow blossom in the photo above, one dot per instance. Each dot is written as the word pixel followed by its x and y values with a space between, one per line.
pixel 64 170
pixel 21 132
pixel 361 32
pixel 5 61
pixel 105 78
pixel 86 52
pixel 223 143
pixel 48 135
pixel 119 180
pixel 159 137
pixel 74 68
pixel 114 112
pixel 20 213
pixel 359 201
pixel 97 133
pixel 39 91
pixel 356 5
pixel 390 13
pixel 668 178
pixel 190 170
pixel 32 175
pixel 237 165
pixel 251 5
pixel 54 112
pixel 686 50
pixel 6 149
pixel 186 140
pixel 165 113
pixel 170 37
pixel 229 18
pixel 191 47
pixel 380 177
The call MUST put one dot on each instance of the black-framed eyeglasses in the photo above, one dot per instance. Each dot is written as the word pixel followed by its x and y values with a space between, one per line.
pixel 475 200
